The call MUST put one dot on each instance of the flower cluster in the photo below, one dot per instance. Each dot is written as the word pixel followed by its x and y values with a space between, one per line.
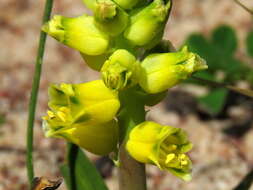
pixel 123 41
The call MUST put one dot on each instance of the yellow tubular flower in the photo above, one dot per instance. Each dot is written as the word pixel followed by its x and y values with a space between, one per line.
pixel 120 70
pixel 79 109
pixel 99 139
pixel 163 146
pixel 79 33
pixel 161 71
pixel 148 23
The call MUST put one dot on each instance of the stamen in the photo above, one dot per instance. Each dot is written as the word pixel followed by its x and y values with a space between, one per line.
pixel 61 115
pixel 184 162
pixel 50 114
pixel 168 148
pixel 169 158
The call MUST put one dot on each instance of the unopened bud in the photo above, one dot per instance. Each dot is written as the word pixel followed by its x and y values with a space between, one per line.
pixel 148 24
pixel 120 70
pixel 161 71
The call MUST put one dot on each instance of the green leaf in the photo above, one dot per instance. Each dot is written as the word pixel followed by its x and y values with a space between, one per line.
pixel 84 172
pixel 249 43
pixel 214 101
pixel 246 182
pixel 2 119
pixel 224 38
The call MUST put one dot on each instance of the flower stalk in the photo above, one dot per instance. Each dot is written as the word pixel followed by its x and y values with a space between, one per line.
pixel 34 93
pixel 131 172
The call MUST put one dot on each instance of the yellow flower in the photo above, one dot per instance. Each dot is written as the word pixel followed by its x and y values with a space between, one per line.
pixel 161 71
pixel 163 146
pixel 83 109
pixel 79 33
pixel 148 23
pixel 99 139
pixel 120 70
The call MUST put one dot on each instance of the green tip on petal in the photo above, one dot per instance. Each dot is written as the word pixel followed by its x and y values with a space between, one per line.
pixel 55 28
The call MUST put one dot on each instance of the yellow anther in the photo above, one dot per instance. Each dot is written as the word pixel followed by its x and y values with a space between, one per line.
pixel 61 115
pixel 184 162
pixel 172 147
pixel 182 156
pixel 50 114
pixel 64 109
pixel 169 158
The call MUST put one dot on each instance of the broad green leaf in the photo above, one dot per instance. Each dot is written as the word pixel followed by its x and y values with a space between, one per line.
pixel 214 101
pixel 249 43
pixel 2 119
pixel 246 182
pixel 225 40
pixel 85 174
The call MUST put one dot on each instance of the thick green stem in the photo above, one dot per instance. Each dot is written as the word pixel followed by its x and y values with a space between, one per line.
pixel 132 174
pixel 34 94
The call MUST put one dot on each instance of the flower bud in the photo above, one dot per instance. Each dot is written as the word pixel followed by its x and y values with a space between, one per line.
pixel 79 33
pixel 161 71
pixel 148 23
pixel 99 139
pixel 110 18
pixel 127 4
pixel 163 146
pixel 120 70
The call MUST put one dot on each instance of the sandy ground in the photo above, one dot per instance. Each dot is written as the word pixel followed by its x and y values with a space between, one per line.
pixel 220 161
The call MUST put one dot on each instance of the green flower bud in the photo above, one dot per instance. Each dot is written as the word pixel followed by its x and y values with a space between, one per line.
pixel 110 17
pixel 127 4
pixel 79 33
pixel 148 23
pixel 120 70
pixel 163 146
pixel 161 71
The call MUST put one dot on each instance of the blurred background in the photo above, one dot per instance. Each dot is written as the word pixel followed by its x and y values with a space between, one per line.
pixel 219 122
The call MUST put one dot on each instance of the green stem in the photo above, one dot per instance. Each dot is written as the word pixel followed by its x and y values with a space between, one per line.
pixel 132 174
pixel 245 92
pixel 34 94
pixel 244 7
pixel 72 151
